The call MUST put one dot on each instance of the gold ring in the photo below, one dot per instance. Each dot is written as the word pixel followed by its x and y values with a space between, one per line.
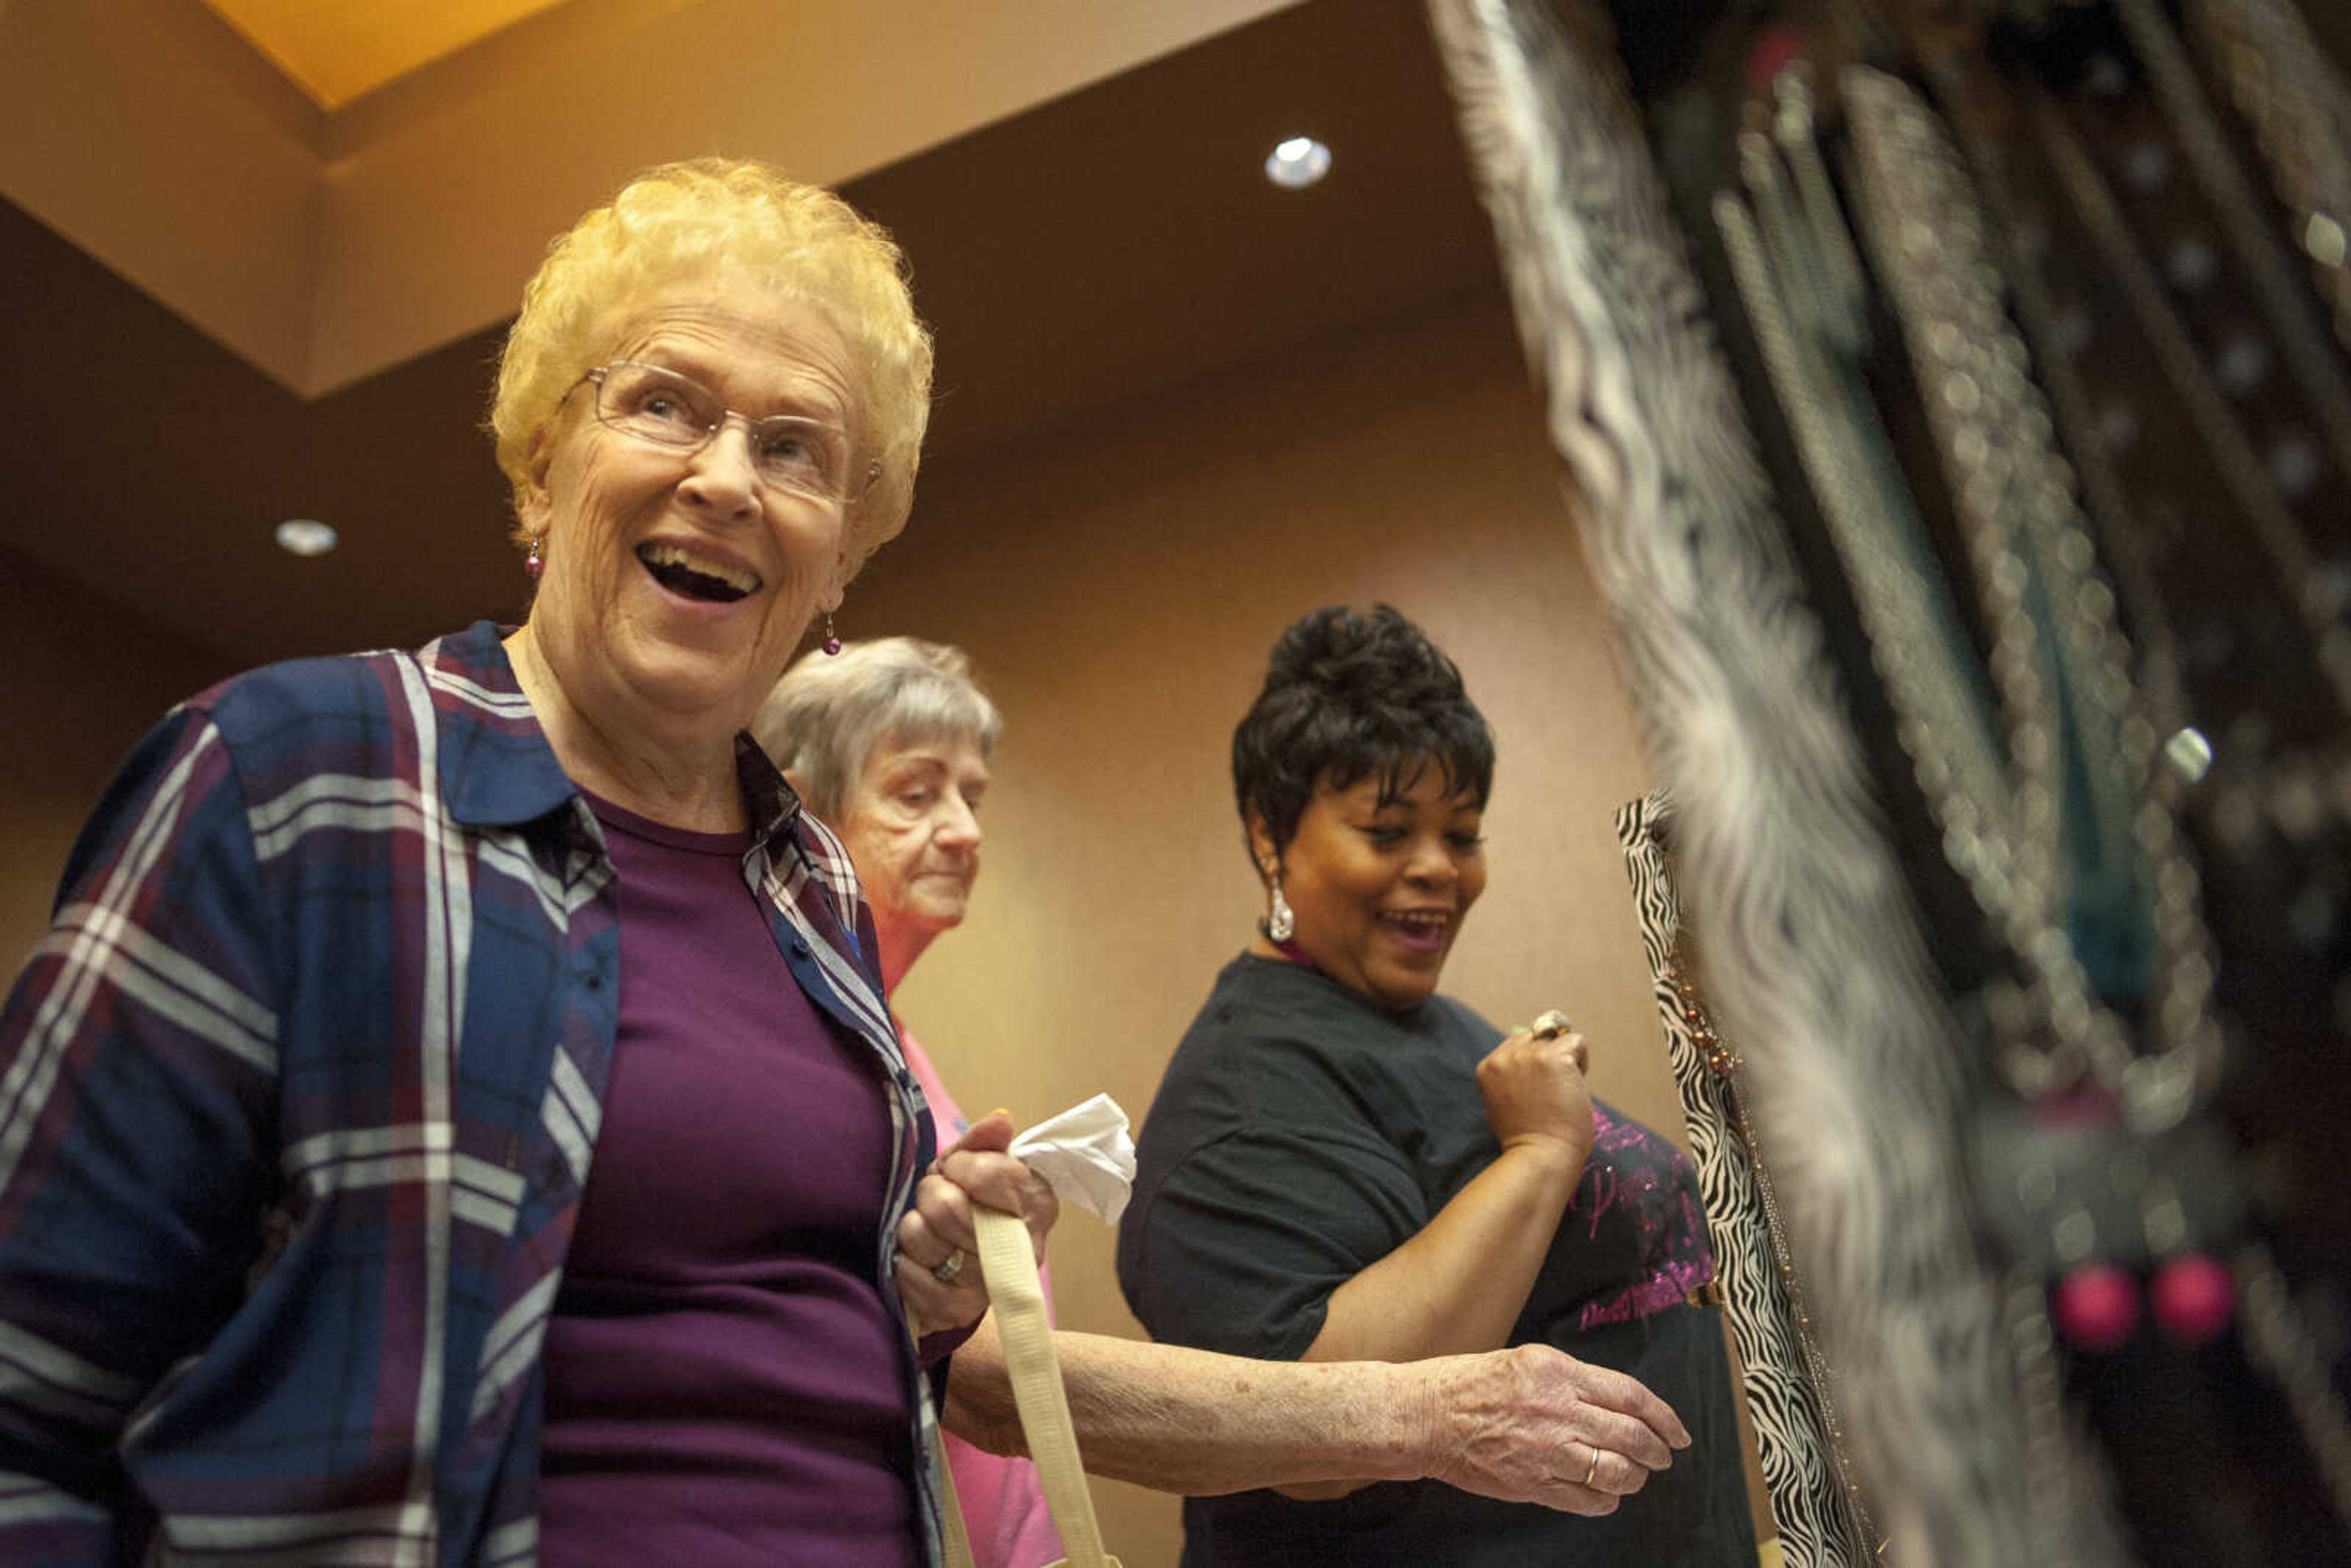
pixel 945 1270
pixel 1552 1025
pixel 1594 1469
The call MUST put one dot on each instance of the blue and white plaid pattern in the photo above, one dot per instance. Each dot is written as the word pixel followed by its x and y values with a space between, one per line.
pixel 297 1102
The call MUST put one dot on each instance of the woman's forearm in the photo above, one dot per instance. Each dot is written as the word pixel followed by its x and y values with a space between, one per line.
pixel 1520 1426
pixel 1460 1284
pixel 1198 1423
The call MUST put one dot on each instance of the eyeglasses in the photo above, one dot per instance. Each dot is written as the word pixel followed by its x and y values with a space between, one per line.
pixel 789 451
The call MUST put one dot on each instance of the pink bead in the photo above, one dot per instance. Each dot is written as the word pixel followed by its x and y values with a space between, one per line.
pixel 1774 49
pixel 2193 1298
pixel 2084 1105
pixel 830 644
pixel 2097 1306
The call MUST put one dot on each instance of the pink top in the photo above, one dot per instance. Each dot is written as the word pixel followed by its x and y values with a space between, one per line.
pixel 1003 1505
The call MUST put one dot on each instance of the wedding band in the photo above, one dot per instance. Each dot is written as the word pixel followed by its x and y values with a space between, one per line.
pixel 1594 1469
pixel 1552 1025
pixel 946 1272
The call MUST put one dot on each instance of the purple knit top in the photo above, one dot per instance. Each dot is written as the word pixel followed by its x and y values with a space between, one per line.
pixel 724 1382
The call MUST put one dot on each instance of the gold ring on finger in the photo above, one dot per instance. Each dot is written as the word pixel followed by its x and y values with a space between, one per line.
pixel 1593 1469
pixel 945 1270
pixel 1552 1025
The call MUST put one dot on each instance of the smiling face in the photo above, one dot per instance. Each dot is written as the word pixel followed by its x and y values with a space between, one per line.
pixel 912 825
pixel 677 584
pixel 1380 888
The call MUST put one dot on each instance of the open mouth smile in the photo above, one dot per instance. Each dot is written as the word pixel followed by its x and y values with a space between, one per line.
pixel 1424 928
pixel 682 572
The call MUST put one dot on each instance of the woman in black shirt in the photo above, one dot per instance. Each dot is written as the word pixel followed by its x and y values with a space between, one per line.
pixel 1342 1164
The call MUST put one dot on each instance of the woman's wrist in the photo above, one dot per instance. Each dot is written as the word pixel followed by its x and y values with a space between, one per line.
pixel 1554 1155
pixel 1390 1425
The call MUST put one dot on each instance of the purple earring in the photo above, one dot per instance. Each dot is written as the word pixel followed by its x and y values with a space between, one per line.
pixel 535 561
pixel 831 644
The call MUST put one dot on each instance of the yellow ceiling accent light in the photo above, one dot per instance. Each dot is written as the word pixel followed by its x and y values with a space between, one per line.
pixel 338 50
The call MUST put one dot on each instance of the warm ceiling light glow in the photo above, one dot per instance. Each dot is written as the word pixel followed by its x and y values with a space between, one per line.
pixel 1298 162
pixel 305 536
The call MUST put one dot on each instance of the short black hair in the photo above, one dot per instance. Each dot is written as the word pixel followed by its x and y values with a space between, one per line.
pixel 1348 695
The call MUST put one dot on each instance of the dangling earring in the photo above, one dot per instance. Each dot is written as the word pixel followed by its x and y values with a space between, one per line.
pixel 831 644
pixel 535 563
pixel 1279 920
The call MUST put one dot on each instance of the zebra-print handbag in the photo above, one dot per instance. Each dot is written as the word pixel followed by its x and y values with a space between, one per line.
pixel 1815 1499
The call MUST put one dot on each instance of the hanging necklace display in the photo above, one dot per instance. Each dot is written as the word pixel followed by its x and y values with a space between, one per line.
pixel 2303 342
pixel 1812 335
pixel 2279 78
pixel 2226 640
pixel 2284 1347
pixel 1927 243
pixel 2013 498
pixel 2311 588
pixel 2116 1184
pixel 1817 957
pixel 1792 270
pixel 2120 540
pixel 2271 1327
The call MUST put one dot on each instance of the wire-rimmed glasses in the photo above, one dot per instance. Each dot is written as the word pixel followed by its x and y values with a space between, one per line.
pixel 789 451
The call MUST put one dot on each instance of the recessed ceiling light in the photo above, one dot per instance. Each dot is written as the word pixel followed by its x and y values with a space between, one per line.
pixel 305 536
pixel 1298 162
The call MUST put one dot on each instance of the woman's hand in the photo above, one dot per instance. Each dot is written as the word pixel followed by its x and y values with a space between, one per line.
pixel 1533 1424
pixel 1460 1284
pixel 1535 1093
pixel 935 1237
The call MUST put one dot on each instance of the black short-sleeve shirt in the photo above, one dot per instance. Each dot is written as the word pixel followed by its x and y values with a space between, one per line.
pixel 1300 1134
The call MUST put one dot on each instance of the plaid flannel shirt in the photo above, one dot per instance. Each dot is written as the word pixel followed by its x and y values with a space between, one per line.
pixel 297 1102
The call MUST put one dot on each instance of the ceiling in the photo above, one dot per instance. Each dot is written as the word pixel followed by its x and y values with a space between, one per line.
pixel 1112 242
pixel 336 53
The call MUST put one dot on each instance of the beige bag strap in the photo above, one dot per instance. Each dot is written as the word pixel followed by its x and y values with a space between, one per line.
pixel 951 1525
pixel 1018 1299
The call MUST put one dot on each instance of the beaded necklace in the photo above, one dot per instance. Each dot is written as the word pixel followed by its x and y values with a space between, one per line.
pixel 2280 83
pixel 2021 526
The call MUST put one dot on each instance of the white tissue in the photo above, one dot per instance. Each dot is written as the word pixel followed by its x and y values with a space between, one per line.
pixel 1086 1155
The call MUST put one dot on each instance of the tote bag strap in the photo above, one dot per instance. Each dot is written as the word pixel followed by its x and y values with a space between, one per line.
pixel 956 1536
pixel 1018 1299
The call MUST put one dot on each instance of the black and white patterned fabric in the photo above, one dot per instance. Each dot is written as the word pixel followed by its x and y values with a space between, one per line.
pixel 1815 1502
pixel 1985 591
pixel 1815 955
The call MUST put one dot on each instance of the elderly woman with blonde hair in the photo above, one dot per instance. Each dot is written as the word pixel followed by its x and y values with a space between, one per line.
pixel 889 742
pixel 454 1118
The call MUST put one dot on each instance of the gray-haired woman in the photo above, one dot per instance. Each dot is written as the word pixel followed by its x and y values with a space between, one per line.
pixel 889 742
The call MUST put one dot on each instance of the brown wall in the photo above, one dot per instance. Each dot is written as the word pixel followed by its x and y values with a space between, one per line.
pixel 1119 583
pixel 85 680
